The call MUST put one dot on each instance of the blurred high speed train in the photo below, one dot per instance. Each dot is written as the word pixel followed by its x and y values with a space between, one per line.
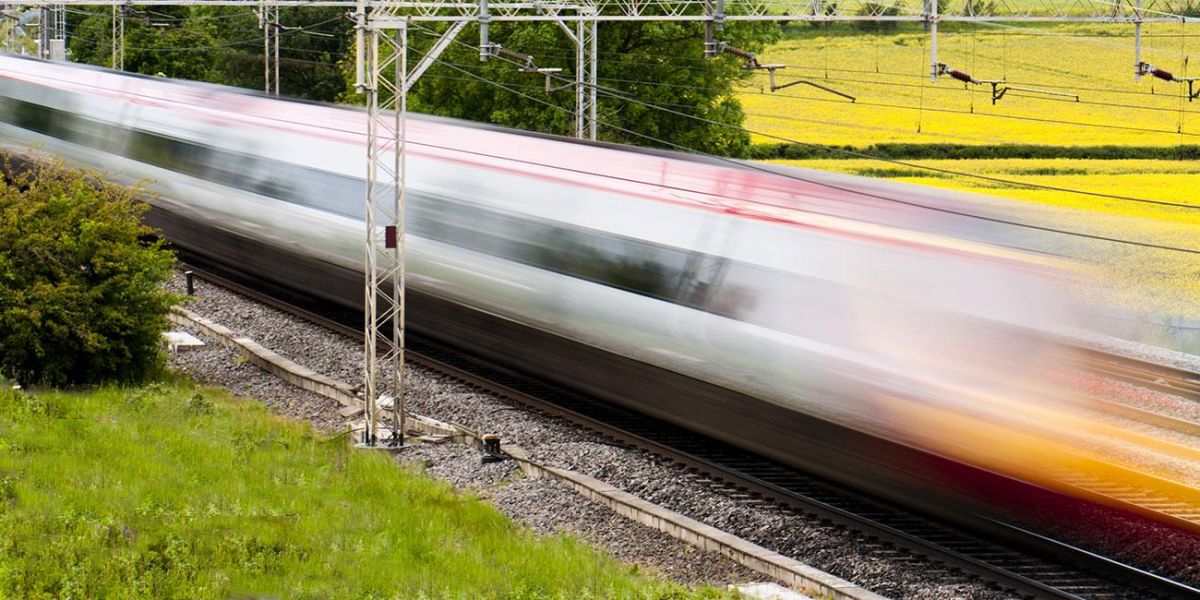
pixel 785 314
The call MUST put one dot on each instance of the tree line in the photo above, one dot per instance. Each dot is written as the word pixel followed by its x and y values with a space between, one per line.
pixel 660 64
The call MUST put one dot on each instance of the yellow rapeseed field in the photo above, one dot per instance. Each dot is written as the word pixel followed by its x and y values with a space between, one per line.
pixel 1161 180
pixel 895 101
pixel 1146 281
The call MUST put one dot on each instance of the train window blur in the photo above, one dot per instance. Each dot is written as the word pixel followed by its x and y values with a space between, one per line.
pixel 176 155
pixel 714 284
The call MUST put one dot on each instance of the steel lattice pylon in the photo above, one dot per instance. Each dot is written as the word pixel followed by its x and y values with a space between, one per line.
pixel 118 37
pixel 382 74
pixel 383 51
pixel 586 71
pixel 586 68
pixel 52 31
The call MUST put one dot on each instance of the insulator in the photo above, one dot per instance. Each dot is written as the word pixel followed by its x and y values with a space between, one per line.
pixel 963 77
pixel 1163 75
pixel 740 53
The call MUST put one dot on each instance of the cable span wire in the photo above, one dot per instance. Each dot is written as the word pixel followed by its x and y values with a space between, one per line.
pixel 255 40
pixel 624 96
pixel 965 112
pixel 949 88
pixel 925 77
pixel 818 99
pixel 919 76
pixel 748 87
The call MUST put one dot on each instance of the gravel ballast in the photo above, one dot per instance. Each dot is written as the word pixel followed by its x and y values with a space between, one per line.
pixel 214 364
pixel 548 506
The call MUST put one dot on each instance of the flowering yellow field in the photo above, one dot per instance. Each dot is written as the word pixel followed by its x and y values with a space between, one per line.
pixel 1148 281
pixel 1162 180
pixel 889 76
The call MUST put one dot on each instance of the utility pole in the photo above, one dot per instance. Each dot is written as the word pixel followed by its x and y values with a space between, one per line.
pixel 1137 41
pixel 43 47
pixel 118 37
pixel 52 32
pixel 268 20
pixel 586 63
pixel 276 30
pixel 10 39
pixel 262 24
pixel 931 19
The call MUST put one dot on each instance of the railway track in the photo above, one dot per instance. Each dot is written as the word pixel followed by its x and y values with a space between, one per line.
pixel 1024 563
pixel 1141 415
pixel 1144 374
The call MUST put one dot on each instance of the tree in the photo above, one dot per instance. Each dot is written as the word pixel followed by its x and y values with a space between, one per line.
pixel 81 296
pixel 656 64
pixel 223 45
pixel 165 42
pixel 313 42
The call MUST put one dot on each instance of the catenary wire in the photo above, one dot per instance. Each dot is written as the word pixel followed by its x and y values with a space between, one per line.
pixel 624 96
pixel 826 184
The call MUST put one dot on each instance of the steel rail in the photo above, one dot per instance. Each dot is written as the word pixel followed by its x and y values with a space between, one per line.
pixel 1141 415
pixel 1144 373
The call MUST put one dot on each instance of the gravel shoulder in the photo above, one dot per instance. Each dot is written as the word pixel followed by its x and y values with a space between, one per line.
pixel 550 508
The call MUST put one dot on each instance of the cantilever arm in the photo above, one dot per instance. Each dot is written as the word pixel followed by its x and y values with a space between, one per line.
pixel 775 87
pixel 810 83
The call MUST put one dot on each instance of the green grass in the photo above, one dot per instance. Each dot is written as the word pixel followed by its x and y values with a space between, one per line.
pixel 174 492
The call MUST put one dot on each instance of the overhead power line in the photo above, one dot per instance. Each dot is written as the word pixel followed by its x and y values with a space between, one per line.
pixel 855 191
pixel 617 94
pixel 560 53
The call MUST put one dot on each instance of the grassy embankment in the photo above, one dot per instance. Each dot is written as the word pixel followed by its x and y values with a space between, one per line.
pixel 897 104
pixel 170 491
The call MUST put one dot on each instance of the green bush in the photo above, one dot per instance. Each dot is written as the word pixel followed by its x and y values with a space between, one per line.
pixel 877 9
pixel 81 299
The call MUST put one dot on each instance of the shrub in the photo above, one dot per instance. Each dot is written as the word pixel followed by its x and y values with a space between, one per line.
pixel 81 299
pixel 980 7
pixel 877 9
